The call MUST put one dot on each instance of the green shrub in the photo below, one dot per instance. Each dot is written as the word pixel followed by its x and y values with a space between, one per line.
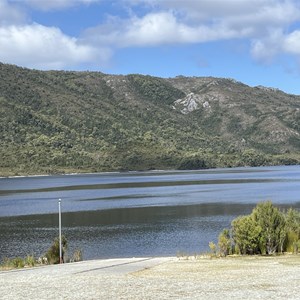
pixel 291 240
pixel 224 243
pixel 53 252
pixel 296 247
pixel 192 163
pixel 213 248
pixel 292 218
pixel 7 263
pixel 267 230
pixel 18 262
pixel 272 223
pixel 30 261
pixel 246 235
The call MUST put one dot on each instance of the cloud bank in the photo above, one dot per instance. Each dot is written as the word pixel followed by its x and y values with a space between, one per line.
pixel 41 47
pixel 270 26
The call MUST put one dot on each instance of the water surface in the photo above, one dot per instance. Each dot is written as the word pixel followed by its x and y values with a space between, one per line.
pixel 136 214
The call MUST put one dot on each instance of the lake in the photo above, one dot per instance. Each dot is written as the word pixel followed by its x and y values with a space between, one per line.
pixel 157 213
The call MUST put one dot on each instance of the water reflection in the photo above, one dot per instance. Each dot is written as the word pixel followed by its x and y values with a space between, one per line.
pixel 144 231
pixel 145 214
pixel 120 232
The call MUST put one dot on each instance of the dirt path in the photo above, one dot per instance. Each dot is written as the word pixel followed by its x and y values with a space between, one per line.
pixel 159 278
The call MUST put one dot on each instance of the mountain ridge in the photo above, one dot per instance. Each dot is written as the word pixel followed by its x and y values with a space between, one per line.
pixel 65 121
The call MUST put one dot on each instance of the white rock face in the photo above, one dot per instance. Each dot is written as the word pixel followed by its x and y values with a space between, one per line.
pixel 191 102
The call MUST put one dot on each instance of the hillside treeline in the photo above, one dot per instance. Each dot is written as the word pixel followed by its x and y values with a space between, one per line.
pixel 57 121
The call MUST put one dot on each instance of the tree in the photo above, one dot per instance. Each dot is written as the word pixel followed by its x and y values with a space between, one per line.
pixel 266 230
pixel 246 234
pixel 272 223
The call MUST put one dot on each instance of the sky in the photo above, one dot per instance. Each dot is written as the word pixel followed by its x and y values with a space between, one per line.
pixel 256 42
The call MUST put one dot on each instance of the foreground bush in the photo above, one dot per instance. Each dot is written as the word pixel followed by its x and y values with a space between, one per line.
pixel 52 254
pixel 267 230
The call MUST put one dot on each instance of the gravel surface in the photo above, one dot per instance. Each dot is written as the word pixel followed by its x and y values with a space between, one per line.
pixel 159 278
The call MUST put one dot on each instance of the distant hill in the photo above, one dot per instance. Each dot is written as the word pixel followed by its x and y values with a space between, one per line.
pixel 57 121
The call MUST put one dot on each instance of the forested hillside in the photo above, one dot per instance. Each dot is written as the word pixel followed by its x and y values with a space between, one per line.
pixel 57 121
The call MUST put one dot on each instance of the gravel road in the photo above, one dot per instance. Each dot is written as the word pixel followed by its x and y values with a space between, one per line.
pixel 158 278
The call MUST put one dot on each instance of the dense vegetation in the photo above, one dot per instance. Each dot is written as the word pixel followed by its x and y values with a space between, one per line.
pixel 58 121
pixel 267 230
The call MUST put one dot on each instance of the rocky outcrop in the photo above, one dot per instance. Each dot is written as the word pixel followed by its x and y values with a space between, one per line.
pixel 192 102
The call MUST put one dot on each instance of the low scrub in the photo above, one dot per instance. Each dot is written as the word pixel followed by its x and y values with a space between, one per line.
pixel 267 230
pixel 18 262
pixel 52 254
pixel 50 257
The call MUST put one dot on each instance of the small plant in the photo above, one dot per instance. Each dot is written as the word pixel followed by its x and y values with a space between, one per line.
pixel 52 254
pixel 213 249
pixel 224 243
pixel 296 247
pixel 18 262
pixel 6 264
pixel 29 261
pixel 77 255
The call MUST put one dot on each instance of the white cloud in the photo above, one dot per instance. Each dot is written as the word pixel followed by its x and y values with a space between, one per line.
pixel 41 47
pixel 291 43
pixel 164 28
pixel 265 23
pixel 264 50
pixel 197 21
pixel 228 11
pixel 10 14
pixel 158 29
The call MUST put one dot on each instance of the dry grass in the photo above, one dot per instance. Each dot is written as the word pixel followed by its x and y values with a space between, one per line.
pixel 203 278
pixel 232 277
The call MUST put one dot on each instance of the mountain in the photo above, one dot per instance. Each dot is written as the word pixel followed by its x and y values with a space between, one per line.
pixel 58 121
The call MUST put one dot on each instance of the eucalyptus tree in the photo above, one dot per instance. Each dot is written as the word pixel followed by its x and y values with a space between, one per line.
pixel 272 223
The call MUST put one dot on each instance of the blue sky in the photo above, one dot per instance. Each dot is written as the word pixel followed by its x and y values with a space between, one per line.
pixel 256 42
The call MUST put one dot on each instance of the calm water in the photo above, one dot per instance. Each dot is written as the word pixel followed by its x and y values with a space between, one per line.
pixel 136 214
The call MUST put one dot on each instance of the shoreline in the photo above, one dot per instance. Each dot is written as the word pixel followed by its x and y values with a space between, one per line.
pixel 142 171
pixel 184 257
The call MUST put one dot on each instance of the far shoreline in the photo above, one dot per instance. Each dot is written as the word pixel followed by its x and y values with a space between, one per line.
pixel 144 171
